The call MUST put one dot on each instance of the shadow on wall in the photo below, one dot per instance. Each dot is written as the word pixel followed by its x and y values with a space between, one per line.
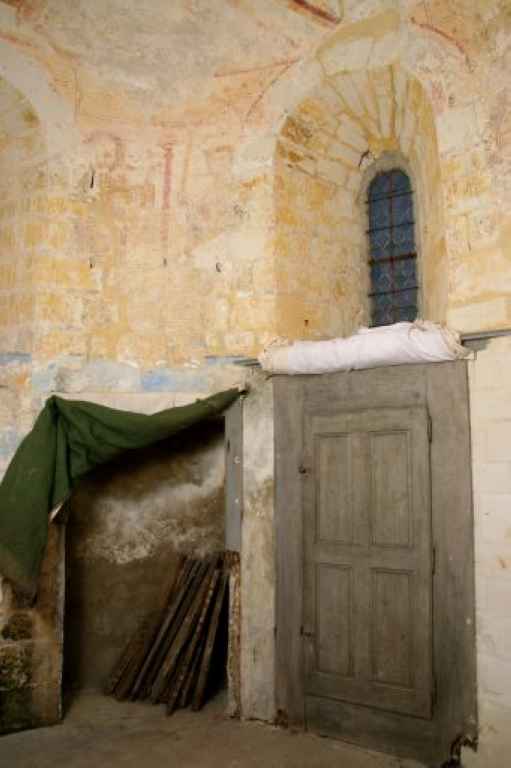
pixel 128 522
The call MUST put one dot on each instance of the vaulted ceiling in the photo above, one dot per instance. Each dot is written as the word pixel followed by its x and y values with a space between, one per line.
pixel 178 48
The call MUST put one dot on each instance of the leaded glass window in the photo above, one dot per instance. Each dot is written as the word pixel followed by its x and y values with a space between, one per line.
pixel 392 254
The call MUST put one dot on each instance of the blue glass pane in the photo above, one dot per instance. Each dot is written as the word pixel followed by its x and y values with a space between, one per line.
pixel 382 310
pixel 394 285
pixel 405 314
pixel 405 274
pixel 383 302
pixel 381 244
pixel 379 214
pixel 402 209
pixel 404 299
pixel 380 185
pixel 400 182
pixel 381 277
pixel 403 240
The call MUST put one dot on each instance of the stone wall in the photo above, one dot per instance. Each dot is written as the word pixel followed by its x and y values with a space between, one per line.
pixel 351 126
pixel 31 647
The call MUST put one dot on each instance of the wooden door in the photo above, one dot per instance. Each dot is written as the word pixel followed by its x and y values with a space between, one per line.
pixel 375 572
pixel 368 558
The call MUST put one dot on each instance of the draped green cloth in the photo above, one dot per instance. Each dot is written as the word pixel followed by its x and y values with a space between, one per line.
pixel 68 439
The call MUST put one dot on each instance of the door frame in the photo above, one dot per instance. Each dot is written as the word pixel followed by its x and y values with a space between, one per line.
pixel 443 389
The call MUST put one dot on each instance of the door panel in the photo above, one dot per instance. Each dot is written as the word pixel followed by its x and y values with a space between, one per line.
pixel 335 510
pixel 391 513
pixel 392 627
pixel 354 558
pixel 367 547
pixel 334 646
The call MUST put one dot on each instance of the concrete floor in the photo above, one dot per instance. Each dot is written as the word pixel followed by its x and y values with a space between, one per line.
pixel 99 732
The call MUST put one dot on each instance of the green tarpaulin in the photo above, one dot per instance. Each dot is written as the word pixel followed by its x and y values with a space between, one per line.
pixel 69 438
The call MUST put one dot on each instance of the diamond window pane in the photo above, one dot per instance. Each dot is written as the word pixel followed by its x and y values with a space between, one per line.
pixel 402 210
pixel 393 269
pixel 405 274
pixel 400 182
pixel 380 186
pixel 405 314
pixel 382 310
pixel 379 214
pixel 403 240
pixel 381 244
pixel 381 277
pixel 405 299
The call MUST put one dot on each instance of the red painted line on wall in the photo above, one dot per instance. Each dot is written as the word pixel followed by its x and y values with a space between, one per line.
pixel 167 191
pixel 320 13
pixel 265 90
pixel 446 36
pixel 249 71
pixel 167 176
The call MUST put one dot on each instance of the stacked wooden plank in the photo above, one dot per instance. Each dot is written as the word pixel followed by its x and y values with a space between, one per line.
pixel 175 653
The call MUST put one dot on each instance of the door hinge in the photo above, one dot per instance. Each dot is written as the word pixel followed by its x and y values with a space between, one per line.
pixel 430 428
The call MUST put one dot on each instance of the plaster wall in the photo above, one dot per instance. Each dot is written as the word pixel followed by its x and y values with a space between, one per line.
pixel 490 383
pixel 257 663
pixel 22 146
pixel 128 523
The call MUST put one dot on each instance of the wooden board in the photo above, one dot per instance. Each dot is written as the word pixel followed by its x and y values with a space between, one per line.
pixel 193 607
pixel 289 414
pixel 200 688
pixel 193 645
pixel 233 475
pixel 166 631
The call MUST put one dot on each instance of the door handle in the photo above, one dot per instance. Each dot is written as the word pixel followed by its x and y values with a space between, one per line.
pixel 302 469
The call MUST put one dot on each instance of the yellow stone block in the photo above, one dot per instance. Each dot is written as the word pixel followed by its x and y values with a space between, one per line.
pixel 36 234
pixel 55 205
pixel 52 343
pixel 60 233
pixel 52 307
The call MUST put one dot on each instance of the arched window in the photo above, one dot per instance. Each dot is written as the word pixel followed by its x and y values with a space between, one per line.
pixel 392 255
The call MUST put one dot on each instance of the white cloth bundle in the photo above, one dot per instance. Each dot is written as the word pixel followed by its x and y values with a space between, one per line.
pixel 398 344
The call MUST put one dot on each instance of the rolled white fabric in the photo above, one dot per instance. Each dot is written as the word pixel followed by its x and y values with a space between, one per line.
pixel 398 344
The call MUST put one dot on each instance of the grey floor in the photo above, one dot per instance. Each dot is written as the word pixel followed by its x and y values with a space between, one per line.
pixel 99 732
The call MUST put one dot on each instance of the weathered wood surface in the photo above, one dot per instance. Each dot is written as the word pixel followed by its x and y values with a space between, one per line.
pixel 367 558
pixel 442 390
pixel 169 657
pixel 193 645
pixel 233 476
pixel 200 688
pixel 289 474
pixel 185 630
